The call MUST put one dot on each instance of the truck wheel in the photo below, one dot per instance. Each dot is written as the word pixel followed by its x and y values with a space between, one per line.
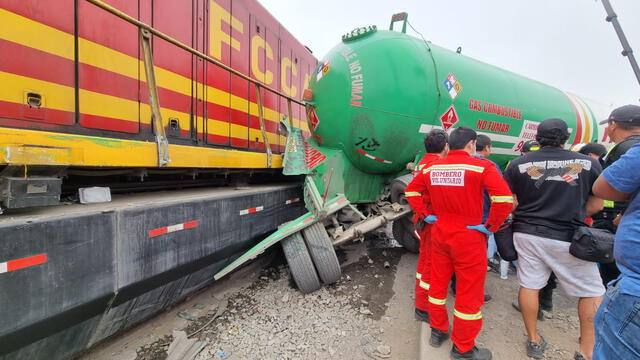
pixel 300 264
pixel 402 229
pixel 322 252
pixel 404 233
pixel 397 188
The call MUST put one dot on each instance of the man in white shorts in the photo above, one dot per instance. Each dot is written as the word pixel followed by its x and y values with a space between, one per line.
pixel 552 187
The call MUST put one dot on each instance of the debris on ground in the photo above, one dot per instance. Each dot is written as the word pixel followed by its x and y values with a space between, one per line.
pixel 222 307
pixel 182 348
pixel 185 315
pixel 157 350
pixel 365 315
pixel 315 325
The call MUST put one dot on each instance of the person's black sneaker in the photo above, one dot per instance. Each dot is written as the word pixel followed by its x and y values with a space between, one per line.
pixel 437 337
pixel 546 305
pixel 422 315
pixel 536 349
pixel 487 298
pixel 546 295
pixel 475 353
pixel 494 265
pixel 578 356
pixel 517 307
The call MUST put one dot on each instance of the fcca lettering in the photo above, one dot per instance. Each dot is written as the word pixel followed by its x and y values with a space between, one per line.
pixel 263 62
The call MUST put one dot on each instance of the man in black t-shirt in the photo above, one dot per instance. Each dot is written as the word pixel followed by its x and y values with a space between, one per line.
pixel 552 187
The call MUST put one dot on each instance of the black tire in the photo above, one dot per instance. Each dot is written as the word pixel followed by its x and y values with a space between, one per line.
pixel 402 229
pixel 300 264
pixel 397 188
pixel 404 233
pixel 322 252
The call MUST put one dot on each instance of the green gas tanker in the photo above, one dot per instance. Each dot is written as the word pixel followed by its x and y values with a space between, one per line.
pixel 369 103
pixel 378 91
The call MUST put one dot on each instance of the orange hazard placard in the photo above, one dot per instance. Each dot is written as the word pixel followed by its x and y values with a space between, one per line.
pixel 449 118
pixel 313 118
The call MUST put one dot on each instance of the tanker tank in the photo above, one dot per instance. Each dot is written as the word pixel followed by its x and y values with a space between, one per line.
pixel 377 92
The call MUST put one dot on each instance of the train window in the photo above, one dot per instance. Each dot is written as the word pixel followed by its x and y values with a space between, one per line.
pixel 34 100
pixel 174 128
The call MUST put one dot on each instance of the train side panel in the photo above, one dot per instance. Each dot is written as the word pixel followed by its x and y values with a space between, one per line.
pixel 37 64
pixel 174 69
pixel 108 75
pixel 202 105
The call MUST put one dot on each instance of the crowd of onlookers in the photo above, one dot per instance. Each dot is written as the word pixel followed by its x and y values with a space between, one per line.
pixel 556 208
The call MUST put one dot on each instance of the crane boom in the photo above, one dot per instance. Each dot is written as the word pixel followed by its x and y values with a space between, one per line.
pixel 612 17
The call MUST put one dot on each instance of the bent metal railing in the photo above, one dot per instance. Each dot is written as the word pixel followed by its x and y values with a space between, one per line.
pixel 158 126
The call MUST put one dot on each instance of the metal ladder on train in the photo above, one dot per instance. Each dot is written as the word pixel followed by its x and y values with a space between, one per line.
pixel 146 33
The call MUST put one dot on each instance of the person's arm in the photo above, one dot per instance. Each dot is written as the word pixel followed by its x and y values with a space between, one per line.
pixel 620 179
pixel 501 198
pixel 594 204
pixel 604 190
pixel 509 177
pixel 417 194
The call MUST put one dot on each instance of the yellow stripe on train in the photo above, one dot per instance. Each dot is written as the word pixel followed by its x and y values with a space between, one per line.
pixel 60 97
pixel 32 147
pixel 30 33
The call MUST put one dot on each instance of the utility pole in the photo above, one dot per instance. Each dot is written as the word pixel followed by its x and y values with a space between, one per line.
pixel 626 48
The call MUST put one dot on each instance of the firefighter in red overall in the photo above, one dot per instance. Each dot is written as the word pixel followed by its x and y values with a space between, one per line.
pixel 435 143
pixel 453 188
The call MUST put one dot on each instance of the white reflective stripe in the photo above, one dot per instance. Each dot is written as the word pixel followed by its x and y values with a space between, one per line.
pixel 176 227
pixel 501 138
pixel 425 128
pixel 464 316
pixel 252 210
pixel 507 199
pixel 418 276
pixel 3 267
pixel 412 193
pixel 437 301
pixel 502 151
pixel 456 166
pixel 424 285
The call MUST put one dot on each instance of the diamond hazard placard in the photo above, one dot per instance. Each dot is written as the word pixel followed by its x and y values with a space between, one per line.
pixel 452 85
pixel 449 118
pixel 313 118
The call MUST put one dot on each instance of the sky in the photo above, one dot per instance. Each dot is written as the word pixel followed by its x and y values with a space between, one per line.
pixel 564 43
